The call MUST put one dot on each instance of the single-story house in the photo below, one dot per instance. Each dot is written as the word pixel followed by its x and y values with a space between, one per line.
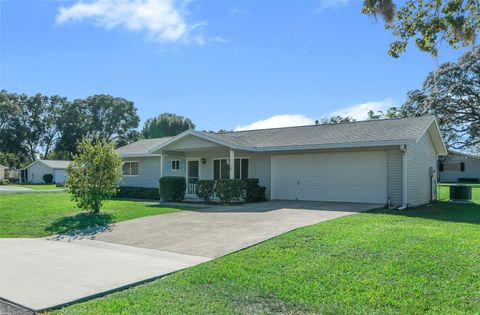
pixel 34 172
pixel 457 165
pixel 379 161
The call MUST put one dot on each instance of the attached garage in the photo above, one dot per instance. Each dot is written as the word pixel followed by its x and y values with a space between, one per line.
pixel 60 176
pixel 339 176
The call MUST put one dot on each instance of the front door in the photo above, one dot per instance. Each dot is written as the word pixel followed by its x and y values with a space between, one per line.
pixel 192 177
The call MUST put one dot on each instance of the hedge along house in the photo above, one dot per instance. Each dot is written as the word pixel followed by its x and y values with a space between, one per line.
pixel 34 172
pixel 376 161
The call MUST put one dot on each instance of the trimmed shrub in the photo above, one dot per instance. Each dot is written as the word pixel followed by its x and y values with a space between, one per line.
pixel 4 181
pixel 172 188
pixel 253 191
pixel 229 190
pixel 469 180
pixel 138 192
pixel 206 189
pixel 48 178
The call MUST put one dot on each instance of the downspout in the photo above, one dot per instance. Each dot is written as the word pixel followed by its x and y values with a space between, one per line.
pixel 161 165
pixel 404 206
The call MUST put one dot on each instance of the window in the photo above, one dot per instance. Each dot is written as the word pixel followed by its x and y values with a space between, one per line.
pixel 221 169
pixel 130 168
pixel 462 167
pixel 175 165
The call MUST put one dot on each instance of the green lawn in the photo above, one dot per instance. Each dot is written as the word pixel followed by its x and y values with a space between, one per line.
pixel 37 186
pixel 423 260
pixel 42 214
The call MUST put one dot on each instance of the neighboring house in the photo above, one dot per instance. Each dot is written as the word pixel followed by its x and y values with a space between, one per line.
pixel 370 161
pixel 4 172
pixel 35 171
pixel 457 165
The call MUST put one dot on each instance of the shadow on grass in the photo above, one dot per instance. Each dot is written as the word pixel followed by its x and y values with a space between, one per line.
pixel 441 211
pixel 83 224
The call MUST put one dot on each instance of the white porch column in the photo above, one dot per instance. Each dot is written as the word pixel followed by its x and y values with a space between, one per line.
pixel 232 164
pixel 161 165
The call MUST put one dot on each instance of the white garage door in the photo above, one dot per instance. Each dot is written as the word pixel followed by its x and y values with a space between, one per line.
pixel 344 177
pixel 60 176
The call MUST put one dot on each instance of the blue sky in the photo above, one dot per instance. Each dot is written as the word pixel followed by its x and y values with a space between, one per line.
pixel 224 64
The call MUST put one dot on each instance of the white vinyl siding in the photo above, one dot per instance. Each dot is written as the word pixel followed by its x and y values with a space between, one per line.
pixel 420 157
pixel 341 176
pixel 395 176
pixel 59 176
pixel 148 172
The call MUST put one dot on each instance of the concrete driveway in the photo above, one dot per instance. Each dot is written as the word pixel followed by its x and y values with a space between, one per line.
pixel 44 273
pixel 220 230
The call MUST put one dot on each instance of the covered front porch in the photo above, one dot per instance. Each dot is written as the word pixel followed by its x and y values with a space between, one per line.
pixel 198 159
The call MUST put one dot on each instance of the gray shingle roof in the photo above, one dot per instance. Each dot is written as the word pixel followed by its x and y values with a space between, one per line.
pixel 142 146
pixel 362 131
pixel 57 164
pixel 387 131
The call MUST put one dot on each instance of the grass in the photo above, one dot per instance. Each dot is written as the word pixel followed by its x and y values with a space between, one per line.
pixel 422 260
pixel 41 214
pixel 37 186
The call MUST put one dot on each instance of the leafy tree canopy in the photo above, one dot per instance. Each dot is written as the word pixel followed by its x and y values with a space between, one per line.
pixel 335 120
pixel 427 22
pixel 166 125
pixel 391 113
pixel 452 94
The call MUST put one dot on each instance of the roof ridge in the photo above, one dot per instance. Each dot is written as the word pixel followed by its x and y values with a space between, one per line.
pixel 315 125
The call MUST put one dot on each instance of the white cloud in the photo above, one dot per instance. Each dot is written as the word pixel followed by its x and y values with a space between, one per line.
pixel 278 121
pixel 161 20
pixel 237 10
pixel 360 111
pixel 330 5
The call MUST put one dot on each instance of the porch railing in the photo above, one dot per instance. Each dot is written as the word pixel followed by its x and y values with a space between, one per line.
pixel 192 189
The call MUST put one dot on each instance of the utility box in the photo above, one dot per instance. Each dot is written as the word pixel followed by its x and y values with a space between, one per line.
pixel 461 193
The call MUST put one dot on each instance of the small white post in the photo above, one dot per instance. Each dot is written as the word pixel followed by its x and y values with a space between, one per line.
pixel 232 164
pixel 161 166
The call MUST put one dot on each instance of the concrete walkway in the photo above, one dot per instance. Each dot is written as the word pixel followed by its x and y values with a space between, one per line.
pixel 17 189
pixel 44 273
pixel 40 273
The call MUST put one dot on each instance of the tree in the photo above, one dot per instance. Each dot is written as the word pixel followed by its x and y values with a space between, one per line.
pixel 12 132
pixel 427 22
pixel 51 133
pixel 166 125
pixel 392 112
pixel 335 120
pixel 94 174
pixel 452 94
pixel 97 117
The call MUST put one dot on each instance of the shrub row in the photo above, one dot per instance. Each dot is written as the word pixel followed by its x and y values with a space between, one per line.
pixel 228 190
pixel 4 181
pixel 172 188
pixel 137 192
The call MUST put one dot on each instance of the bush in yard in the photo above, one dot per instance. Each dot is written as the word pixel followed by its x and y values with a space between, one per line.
pixel 138 192
pixel 253 191
pixel 206 189
pixel 94 174
pixel 4 181
pixel 172 188
pixel 229 190
pixel 48 178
